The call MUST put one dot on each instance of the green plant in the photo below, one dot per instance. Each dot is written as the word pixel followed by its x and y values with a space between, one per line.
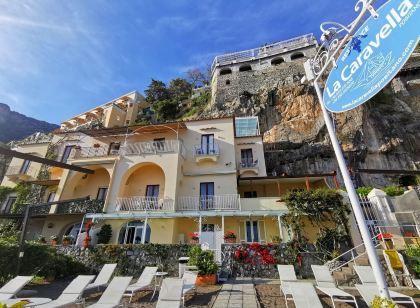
pixel 67 238
pixel 206 264
pixel 393 191
pixel 4 192
pixel 38 280
pixel 54 238
pixel 194 254
pixel 276 239
pixel 413 252
pixel 9 232
pixel 364 190
pixel 42 240
pixel 379 302
pixel 105 234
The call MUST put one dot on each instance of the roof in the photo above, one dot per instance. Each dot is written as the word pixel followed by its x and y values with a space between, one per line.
pixel 147 129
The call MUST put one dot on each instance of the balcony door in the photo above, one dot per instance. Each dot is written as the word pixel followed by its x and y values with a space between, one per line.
pixel 207 144
pixel 9 204
pixel 252 231
pixel 132 233
pixel 207 196
pixel 25 167
pixel 152 195
pixel 247 159
pixel 159 144
pixel 101 195
pixel 66 153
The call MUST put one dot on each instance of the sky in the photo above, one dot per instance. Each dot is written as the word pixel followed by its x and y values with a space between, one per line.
pixel 61 58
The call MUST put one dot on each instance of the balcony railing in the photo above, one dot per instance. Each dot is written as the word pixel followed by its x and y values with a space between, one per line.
pixel 90 152
pixel 142 203
pixel 248 163
pixel 80 207
pixel 17 171
pixel 35 211
pixel 202 150
pixel 208 203
pixel 153 147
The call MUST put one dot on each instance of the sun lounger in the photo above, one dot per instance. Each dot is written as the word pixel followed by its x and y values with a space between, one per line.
pixel 170 293
pixel 13 286
pixel 396 266
pixel 114 292
pixel 304 295
pixel 286 274
pixel 189 279
pixel 72 294
pixel 416 283
pixel 145 279
pixel 369 288
pixel 103 277
pixel 326 284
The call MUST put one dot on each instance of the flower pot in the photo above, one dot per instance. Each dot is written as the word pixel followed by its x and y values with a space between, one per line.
pixel 206 280
pixel 230 240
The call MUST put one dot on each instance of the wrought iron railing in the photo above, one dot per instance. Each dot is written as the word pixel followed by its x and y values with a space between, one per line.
pixel 89 152
pixel 143 203
pixel 203 150
pixel 153 147
pixel 80 207
pixel 34 211
pixel 248 163
pixel 206 203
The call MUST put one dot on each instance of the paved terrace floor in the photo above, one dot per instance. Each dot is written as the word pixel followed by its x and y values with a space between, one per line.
pixel 237 294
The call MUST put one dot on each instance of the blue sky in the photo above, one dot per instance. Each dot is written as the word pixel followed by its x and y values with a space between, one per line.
pixel 60 58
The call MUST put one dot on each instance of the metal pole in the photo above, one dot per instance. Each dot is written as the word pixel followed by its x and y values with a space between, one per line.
pixel 357 209
pixel 22 238
pixel 143 233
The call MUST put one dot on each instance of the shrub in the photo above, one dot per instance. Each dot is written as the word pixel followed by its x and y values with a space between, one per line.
pixel 194 253
pixel 413 252
pixel 379 302
pixel 206 264
pixel 393 191
pixel 364 190
pixel 105 234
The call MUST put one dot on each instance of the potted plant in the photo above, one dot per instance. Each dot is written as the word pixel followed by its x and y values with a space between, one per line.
pixel 67 240
pixel 229 237
pixel 207 268
pixel 53 240
pixel 193 237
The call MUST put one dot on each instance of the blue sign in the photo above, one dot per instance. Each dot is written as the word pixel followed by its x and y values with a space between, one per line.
pixel 375 54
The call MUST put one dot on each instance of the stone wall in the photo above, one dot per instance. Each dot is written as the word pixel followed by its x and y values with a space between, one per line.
pixel 131 259
pixel 253 264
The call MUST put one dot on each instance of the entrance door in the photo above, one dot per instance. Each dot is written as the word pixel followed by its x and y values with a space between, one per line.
pixel 207 144
pixel 252 231
pixel 247 159
pixel 207 196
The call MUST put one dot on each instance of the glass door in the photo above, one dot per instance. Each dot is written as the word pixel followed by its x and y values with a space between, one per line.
pixel 152 195
pixel 252 231
pixel 247 159
pixel 207 196
pixel 207 144
pixel 25 167
pixel 66 153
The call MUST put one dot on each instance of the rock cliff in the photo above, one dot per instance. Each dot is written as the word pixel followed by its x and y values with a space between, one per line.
pixel 381 134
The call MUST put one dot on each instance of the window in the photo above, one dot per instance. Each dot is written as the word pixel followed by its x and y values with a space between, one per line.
pixel 132 232
pixel 246 158
pixel 245 68
pixel 225 71
pixel 25 167
pixel 66 153
pixel 114 148
pixel 207 144
pixel 50 197
pixel 277 61
pixel 9 204
pixel 246 126
pixel 159 144
pixel 152 191
pixel 101 195
pixel 251 231
pixel 207 227
pixel 207 195
pixel 250 194
pixel 297 55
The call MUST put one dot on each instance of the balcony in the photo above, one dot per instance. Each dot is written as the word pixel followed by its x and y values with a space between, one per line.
pixel 93 152
pixel 142 203
pixel 206 153
pixel 80 207
pixel 15 173
pixel 208 203
pixel 262 203
pixel 41 210
pixel 154 147
pixel 248 165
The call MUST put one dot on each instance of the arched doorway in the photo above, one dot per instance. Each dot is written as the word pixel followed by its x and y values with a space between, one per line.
pixel 132 232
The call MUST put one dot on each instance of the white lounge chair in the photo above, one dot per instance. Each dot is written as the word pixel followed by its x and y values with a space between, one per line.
pixel 304 295
pixel 369 288
pixel 72 294
pixel 103 277
pixel 145 279
pixel 397 268
pixel 113 293
pixel 16 284
pixel 286 274
pixel 170 293
pixel 326 284
pixel 416 283
pixel 189 279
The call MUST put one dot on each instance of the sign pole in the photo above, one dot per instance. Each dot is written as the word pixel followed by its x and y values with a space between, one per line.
pixel 357 210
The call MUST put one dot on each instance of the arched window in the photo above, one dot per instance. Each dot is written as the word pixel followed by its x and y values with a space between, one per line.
pixel 73 231
pixel 225 71
pixel 277 61
pixel 245 67
pixel 297 55
pixel 132 232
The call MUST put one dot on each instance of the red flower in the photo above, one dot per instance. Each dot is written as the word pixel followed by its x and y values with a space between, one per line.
pixel 193 236
pixel 238 254
pixel 383 236
pixel 254 246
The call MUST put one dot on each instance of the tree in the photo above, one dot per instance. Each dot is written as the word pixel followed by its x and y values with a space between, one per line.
pixel 166 109
pixel 196 77
pixel 105 234
pixel 156 91
pixel 179 89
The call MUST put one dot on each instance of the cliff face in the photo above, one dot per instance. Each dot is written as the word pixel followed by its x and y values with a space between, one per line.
pixel 384 133
pixel 15 126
